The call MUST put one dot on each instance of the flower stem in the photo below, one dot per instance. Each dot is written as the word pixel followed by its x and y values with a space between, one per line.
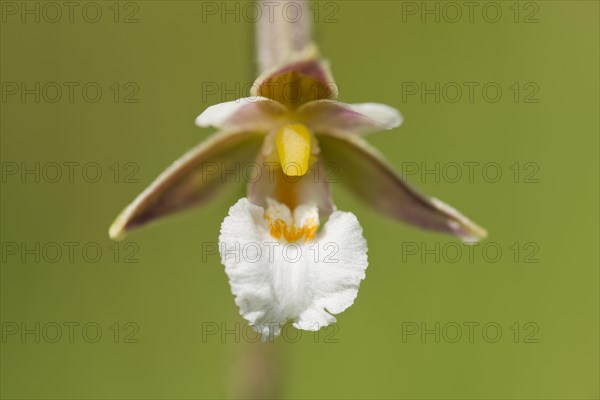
pixel 257 371
pixel 284 28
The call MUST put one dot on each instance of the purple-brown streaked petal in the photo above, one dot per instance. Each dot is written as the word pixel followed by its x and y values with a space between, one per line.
pixel 311 188
pixel 362 168
pixel 337 118
pixel 297 83
pixel 191 180
pixel 258 114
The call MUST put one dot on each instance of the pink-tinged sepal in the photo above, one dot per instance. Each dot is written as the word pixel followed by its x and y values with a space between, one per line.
pixel 193 179
pixel 370 177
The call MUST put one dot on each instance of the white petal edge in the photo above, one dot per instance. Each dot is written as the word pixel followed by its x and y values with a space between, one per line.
pixel 387 116
pixel 336 118
pixel 241 113
pixel 274 282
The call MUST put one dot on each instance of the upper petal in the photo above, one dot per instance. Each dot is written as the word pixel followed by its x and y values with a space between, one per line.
pixel 245 114
pixel 368 175
pixel 342 119
pixel 193 179
pixel 297 83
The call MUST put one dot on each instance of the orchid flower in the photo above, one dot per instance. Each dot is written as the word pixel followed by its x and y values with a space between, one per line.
pixel 288 252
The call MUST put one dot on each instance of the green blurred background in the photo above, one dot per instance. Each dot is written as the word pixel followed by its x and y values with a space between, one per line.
pixel 165 304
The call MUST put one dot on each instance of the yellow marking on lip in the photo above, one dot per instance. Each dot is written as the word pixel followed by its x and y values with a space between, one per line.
pixel 281 227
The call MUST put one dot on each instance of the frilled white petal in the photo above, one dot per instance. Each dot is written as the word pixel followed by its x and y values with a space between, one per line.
pixel 326 116
pixel 245 114
pixel 305 281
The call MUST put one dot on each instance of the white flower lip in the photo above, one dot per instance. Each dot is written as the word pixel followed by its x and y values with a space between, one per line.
pixel 275 281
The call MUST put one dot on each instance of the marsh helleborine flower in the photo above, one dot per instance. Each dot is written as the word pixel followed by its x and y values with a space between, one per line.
pixel 293 122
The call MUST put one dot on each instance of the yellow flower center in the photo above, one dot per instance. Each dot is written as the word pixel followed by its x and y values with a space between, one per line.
pixel 293 147
pixel 301 224
pixel 279 228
